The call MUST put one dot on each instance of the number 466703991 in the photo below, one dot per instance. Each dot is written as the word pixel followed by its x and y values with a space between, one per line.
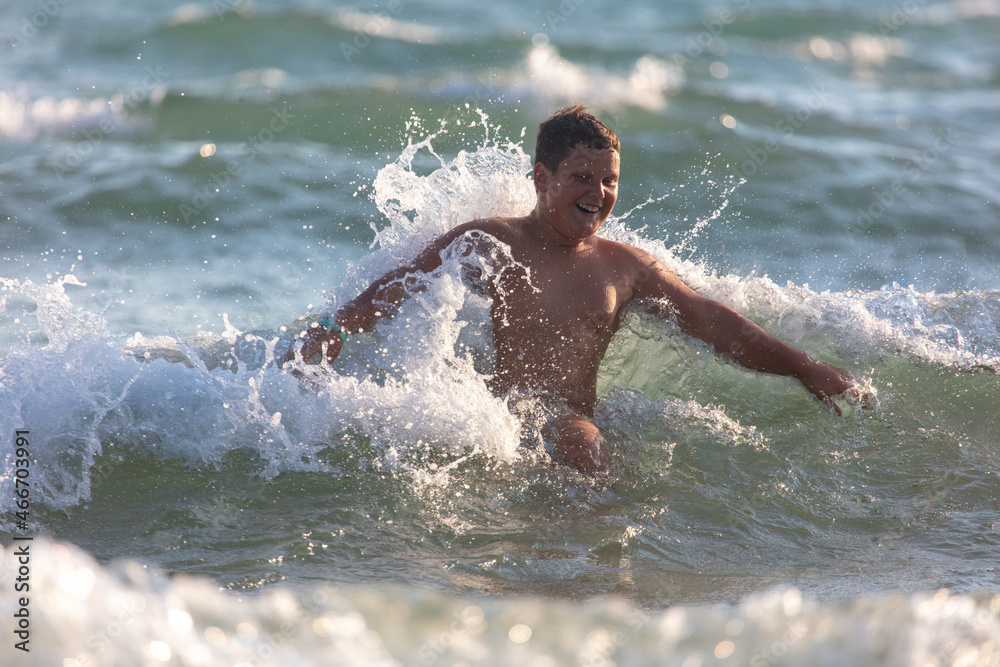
pixel 22 472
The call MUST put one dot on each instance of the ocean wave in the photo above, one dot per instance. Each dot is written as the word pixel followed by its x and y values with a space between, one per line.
pixel 23 118
pixel 418 383
pixel 549 76
pixel 82 613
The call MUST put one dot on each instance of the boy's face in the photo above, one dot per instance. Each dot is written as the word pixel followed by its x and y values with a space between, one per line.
pixel 577 199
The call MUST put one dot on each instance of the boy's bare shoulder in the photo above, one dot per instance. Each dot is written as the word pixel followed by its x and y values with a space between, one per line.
pixel 623 253
pixel 649 275
pixel 501 228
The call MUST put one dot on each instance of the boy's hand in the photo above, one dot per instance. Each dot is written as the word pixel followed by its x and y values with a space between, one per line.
pixel 313 340
pixel 316 338
pixel 824 381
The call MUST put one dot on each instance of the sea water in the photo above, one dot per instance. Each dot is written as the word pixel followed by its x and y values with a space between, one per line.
pixel 184 186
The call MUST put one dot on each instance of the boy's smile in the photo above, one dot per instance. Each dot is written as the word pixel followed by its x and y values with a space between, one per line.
pixel 575 201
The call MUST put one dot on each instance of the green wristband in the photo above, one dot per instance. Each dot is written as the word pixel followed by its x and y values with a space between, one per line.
pixel 325 323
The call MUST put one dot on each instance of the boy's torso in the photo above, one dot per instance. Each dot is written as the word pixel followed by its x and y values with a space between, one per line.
pixel 556 310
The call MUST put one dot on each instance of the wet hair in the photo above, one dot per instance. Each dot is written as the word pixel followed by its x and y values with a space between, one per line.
pixel 559 134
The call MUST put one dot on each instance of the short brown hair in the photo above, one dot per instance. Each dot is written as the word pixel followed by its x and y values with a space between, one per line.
pixel 562 131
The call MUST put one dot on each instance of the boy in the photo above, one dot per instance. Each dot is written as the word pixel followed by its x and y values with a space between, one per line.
pixel 555 311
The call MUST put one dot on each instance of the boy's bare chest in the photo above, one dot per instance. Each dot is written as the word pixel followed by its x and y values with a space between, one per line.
pixel 563 291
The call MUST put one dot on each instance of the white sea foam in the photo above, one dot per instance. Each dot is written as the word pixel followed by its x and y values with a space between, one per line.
pixel 550 76
pixel 417 384
pixel 383 25
pixel 23 118
pixel 490 181
pixel 83 614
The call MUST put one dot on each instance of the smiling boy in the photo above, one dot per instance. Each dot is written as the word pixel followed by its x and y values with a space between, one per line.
pixel 556 308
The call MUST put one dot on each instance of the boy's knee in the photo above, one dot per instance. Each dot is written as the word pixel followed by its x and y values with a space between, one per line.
pixel 581 445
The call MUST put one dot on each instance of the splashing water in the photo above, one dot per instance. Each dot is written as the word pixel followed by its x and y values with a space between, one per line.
pixel 416 387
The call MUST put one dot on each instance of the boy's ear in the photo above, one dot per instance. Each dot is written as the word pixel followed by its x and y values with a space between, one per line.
pixel 541 176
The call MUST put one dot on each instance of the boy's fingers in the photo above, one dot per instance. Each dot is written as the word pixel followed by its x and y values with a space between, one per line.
pixel 833 404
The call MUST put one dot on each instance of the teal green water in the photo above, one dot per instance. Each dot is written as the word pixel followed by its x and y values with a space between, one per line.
pixel 181 181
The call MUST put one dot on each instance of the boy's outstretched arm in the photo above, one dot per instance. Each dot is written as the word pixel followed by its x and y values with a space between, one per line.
pixel 381 299
pixel 741 339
